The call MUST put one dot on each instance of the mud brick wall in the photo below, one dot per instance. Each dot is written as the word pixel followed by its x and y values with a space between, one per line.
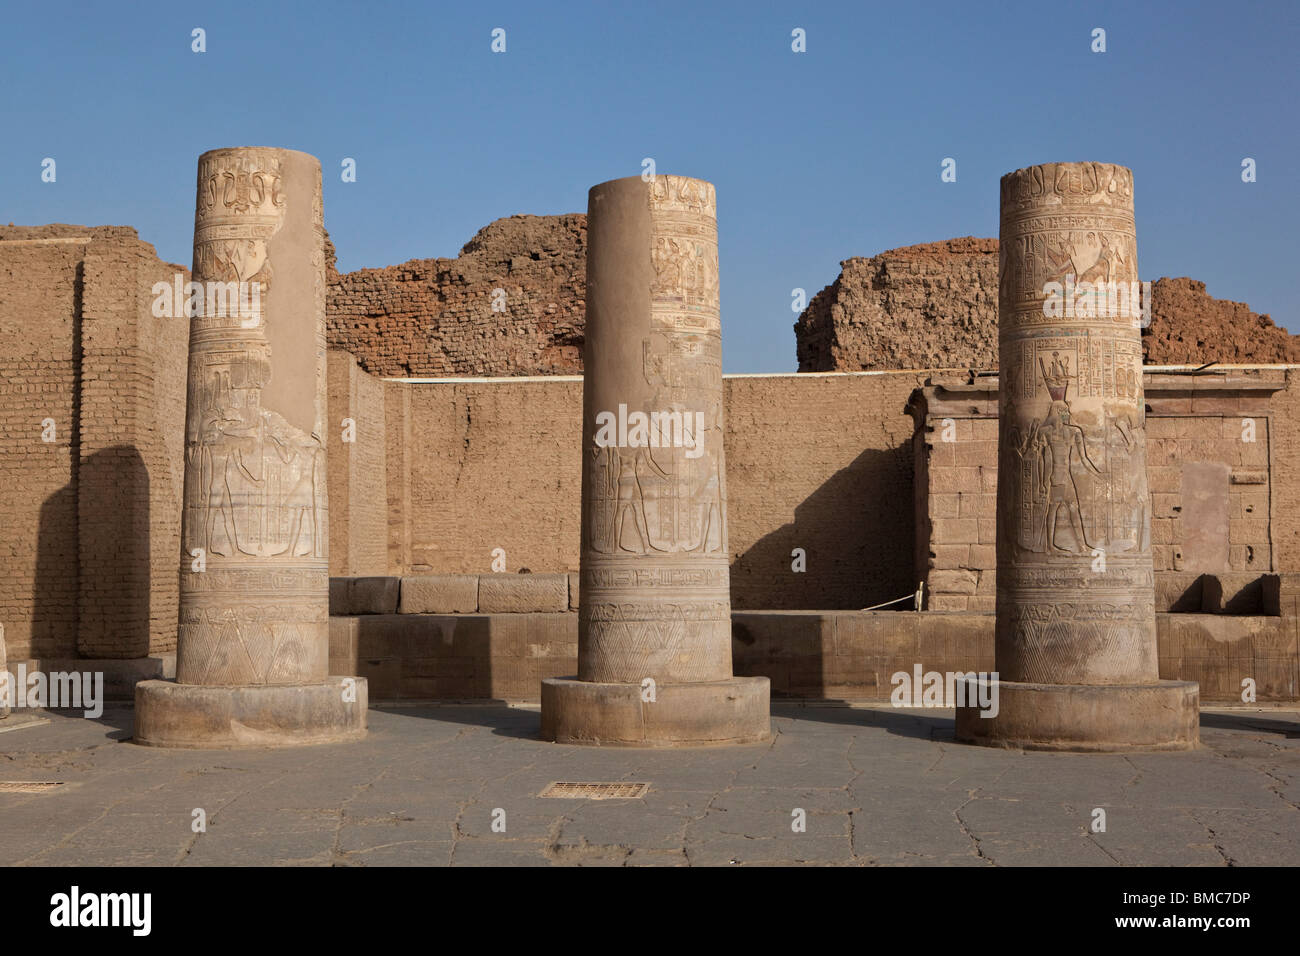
pixel 92 535
pixel 40 280
pixel 818 462
pixel 357 478
pixel 475 465
pixel 822 463
pixel 131 469
pixel 431 317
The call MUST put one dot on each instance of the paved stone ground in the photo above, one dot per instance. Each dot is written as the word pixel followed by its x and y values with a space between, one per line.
pixel 879 786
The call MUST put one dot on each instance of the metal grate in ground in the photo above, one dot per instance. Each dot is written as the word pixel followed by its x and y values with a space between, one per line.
pixel 28 786
pixel 595 791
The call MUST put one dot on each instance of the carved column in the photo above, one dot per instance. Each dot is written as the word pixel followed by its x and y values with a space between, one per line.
pixel 254 607
pixel 654 631
pixel 1076 631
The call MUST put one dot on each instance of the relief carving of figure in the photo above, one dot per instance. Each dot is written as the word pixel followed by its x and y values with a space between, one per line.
pixel 228 436
pixel 1060 447
pixel 260 478
pixel 631 497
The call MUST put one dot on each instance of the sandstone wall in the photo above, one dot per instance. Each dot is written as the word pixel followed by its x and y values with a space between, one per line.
pixel 432 317
pixel 1214 443
pixel 92 520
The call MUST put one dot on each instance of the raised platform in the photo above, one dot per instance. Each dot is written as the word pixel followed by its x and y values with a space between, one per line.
pixel 844 655
pixel 201 717
pixel 1084 717
pixel 710 713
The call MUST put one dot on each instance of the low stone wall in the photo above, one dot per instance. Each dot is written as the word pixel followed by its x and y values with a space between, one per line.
pixel 454 594
pixel 1218 630
pixel 455 656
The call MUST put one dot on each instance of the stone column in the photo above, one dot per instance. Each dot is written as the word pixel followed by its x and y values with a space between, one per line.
pixel 253 648
pixel 1076 631
pixel 654 619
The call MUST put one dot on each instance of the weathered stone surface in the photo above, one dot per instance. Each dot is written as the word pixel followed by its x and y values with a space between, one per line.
pixel 7 689
pixel 92 516
pixel 654 614
pixel 370 595
pixel 255 499
pixel 1190 327
pixel 254 643
pixel 1076 645
pixel 1079 717
pixel 654 596
pixel 439 594
pixel 701 713
pixel 926 306
pixel 850 655
pixel 881 787
pixel 516 593
pixel 455 657
pixel 1075 600
pixel 194 716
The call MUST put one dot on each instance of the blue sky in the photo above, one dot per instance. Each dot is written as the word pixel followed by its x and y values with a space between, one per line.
pixel 817 156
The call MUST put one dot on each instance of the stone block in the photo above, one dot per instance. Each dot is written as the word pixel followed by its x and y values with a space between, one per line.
pixel 370 595
pixel 522 593
pixel 343 645
pixel 955 530
pixel 439 594
pixel 953 582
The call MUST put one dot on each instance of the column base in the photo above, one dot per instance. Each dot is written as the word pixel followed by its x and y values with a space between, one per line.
pixel 202 717
pixel 1086 717
pixel 709 713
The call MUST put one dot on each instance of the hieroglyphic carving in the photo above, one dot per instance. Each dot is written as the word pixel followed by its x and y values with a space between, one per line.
pixel 255 498
pixel 1074 577
pixel 655 597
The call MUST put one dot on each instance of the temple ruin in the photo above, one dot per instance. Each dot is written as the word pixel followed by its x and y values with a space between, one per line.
pixel 861 515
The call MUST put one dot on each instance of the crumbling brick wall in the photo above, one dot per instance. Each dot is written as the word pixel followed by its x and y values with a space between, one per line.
pixel 433 317
pixel 936 306
pixel 927 306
